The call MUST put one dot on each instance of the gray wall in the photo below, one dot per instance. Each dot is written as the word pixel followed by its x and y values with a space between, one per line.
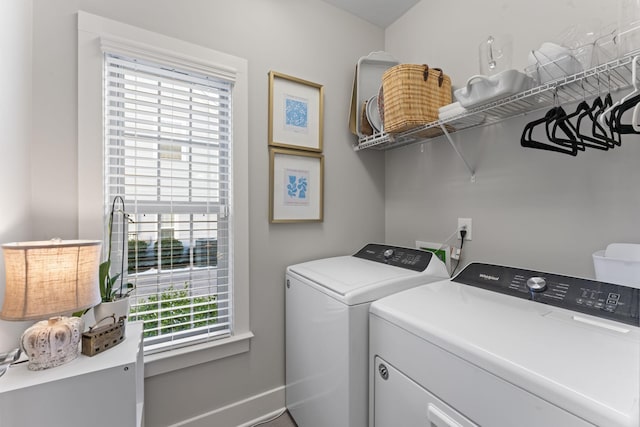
pixel 529 208
pixel 307 39
pixel 15 128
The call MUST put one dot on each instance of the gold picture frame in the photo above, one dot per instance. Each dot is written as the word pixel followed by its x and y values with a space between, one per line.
pixel 296 186
pixel 296 113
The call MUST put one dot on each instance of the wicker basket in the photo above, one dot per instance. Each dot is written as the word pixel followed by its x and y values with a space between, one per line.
pixel 412 96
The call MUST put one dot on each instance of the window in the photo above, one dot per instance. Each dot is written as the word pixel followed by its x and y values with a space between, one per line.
pixel 207 254
pixel 168 151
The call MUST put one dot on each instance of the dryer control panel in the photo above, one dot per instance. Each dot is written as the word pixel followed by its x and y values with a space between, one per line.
pixel 605 300
pixel 411 259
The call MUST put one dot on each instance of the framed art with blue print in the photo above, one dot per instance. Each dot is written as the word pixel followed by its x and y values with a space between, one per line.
pixel 296 191
pixel 295 113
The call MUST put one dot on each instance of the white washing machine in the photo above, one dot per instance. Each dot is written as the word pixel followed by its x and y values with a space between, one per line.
pixel 327 315
pixel 506 347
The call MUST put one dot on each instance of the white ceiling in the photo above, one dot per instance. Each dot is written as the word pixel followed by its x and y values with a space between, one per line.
pixel 378 12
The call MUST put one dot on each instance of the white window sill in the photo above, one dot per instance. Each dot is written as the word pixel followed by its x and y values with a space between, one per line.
pixel 161 363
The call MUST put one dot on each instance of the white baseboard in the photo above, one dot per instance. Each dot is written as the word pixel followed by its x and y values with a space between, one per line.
pixel 243 413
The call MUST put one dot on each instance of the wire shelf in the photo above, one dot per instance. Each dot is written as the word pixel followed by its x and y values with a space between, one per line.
pixel 609 77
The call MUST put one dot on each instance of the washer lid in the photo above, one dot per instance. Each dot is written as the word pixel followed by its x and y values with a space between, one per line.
pixel 583 364
pixel 354 280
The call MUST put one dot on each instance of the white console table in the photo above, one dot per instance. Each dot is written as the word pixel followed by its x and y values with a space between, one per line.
pixel 106 390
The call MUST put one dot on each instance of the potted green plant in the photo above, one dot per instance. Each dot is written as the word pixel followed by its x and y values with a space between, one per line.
pixel 114 295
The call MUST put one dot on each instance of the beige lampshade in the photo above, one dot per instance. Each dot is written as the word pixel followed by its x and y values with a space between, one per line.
pixel 50 278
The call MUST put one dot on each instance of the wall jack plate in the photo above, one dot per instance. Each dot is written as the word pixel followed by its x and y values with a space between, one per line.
pixel 462 222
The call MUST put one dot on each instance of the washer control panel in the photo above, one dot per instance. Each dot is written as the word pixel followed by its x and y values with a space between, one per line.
pixel 411 259
pixel 605 300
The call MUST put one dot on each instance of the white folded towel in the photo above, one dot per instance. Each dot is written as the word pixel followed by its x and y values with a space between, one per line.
pixel 451 110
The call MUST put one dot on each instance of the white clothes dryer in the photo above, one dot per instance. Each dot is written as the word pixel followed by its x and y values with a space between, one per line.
pixel 327 333
pixel 503 347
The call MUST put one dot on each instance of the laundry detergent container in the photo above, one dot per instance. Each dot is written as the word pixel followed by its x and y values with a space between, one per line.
pixel 619 263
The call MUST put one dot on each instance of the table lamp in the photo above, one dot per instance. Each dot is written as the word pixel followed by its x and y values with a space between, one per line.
pixel 50 279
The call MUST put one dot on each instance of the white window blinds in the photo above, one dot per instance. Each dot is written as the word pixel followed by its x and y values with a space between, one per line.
pixel 168 155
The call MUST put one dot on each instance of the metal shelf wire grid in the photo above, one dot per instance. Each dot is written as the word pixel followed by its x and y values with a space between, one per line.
pixel 609 77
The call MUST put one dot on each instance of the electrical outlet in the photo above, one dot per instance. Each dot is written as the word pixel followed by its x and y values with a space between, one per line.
pixel 464 222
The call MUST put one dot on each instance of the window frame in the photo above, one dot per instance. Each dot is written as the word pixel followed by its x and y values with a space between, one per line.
pixel 96 33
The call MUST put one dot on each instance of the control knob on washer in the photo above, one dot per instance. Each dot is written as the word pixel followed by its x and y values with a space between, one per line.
pixel 536 284
pixel 388 253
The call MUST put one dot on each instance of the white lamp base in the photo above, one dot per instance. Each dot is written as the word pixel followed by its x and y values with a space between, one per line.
pixel 52 342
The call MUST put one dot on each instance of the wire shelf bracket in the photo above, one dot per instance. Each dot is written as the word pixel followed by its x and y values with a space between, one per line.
pixel 458 152
pixel 610 76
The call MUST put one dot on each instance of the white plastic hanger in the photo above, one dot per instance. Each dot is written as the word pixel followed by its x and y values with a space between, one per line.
pixel 635 91
pixel 635 117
